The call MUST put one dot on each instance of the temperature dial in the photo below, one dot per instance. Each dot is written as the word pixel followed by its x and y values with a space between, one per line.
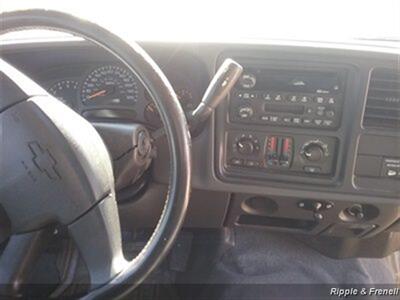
pixel 246 145
pixel 315 151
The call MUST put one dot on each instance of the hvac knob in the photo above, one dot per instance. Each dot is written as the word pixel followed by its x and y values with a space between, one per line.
pixel 314 151
pixel 245 146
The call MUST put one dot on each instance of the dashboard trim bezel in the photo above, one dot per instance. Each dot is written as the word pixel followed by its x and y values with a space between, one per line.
pixel 268 61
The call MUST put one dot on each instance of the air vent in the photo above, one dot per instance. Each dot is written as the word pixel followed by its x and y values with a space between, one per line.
pixel 383 102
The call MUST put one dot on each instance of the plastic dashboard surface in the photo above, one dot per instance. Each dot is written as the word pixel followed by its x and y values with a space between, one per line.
pixel 197 62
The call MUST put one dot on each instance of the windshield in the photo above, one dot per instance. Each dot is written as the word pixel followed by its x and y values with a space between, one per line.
pixel 308 20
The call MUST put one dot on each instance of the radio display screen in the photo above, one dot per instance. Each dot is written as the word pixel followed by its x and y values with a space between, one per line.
pixel 298 81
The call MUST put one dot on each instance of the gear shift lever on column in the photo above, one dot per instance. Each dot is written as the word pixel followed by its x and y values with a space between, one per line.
pixel 224 79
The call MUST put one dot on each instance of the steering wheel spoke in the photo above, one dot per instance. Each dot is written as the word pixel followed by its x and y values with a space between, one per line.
pixel 97 235
pixel 18 258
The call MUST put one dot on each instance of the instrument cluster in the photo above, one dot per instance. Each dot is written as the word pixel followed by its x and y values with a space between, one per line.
pixel 112 90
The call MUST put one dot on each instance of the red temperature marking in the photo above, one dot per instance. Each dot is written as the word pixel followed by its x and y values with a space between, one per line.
pixel 286 145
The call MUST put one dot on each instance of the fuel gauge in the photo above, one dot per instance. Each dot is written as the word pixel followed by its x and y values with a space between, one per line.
pixel 66 91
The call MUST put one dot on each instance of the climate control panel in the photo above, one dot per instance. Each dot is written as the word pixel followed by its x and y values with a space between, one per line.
pixel 294 154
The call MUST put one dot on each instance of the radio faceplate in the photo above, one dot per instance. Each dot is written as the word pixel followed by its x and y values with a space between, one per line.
pixel 307 99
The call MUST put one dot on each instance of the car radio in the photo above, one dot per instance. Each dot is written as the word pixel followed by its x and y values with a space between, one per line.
pixel 288 98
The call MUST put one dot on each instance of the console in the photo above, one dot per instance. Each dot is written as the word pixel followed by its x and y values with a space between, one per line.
pixel 284 121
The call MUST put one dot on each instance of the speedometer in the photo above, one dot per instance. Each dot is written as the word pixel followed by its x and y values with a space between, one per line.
pixel 110 85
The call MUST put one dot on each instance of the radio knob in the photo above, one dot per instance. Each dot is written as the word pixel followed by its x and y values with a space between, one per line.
pixel 245 112
pixel 245 146
pixel 313 151
pixel 248 81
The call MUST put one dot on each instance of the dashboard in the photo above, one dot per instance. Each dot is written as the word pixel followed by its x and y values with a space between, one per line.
pixel 99 87
pixel 308 140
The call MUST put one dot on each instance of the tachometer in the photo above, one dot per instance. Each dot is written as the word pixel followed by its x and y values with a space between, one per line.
pixel 66 91
pixel 110 85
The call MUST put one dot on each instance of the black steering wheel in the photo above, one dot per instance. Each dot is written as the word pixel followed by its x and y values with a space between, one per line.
pixel 55 167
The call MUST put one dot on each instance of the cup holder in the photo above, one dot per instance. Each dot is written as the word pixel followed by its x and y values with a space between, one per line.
pixel 259 206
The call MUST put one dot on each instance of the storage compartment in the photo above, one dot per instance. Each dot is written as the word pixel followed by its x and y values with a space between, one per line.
pixel 284 223
pixel 316 217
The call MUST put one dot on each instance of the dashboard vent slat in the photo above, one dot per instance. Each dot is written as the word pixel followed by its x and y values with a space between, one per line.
pixel 383 101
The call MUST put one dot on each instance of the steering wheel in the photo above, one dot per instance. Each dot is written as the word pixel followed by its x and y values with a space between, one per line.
pixel 55 167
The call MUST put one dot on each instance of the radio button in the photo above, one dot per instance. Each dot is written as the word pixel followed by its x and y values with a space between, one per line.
pixel 327 123
pixel 296 121
pixel 330 113
pixel 391 173
pixel 245 112
pixel 267 97
pixel 292 98
pixel 305 99
pixel 331 100
pixel 249 95
pixel 274 119
pixel 248 81
pixel 318 122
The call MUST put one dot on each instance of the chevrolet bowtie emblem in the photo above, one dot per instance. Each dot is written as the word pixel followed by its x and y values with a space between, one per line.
pixel 44 161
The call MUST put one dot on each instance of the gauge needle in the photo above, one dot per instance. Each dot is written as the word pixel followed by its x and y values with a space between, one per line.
pixel 99 93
